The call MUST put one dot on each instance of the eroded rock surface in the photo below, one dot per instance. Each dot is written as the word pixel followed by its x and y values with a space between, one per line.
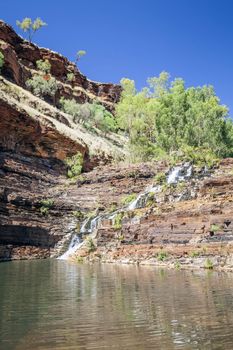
pixel 20 62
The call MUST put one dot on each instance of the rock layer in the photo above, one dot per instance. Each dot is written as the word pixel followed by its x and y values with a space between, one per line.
pixel 20 62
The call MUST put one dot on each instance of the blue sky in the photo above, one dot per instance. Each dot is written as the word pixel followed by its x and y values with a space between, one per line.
pixel 192 39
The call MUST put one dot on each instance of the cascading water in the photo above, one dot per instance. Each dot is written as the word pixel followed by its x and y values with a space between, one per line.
pixel 177 174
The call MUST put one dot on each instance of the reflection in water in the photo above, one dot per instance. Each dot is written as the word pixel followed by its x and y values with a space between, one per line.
pixel 59 305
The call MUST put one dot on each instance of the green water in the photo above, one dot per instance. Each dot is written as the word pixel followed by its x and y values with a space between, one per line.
pixel 58 305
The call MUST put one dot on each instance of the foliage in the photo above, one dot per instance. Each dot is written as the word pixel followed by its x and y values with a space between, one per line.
pixel 177 265
pixel 1 60
pixel 30 27
pixel 79 259
pixel 112 208
pixel 214 228
pixel 45 205
pixel 150 199
pixel 194 254
pixel 80 54
pixel 128 198
pixel 90 245
pixel 199 156
pixel 78 214
pixel 118 221
pixel 161 256
pixel 165 118
pixel 75 165
pixel 208 264
pixel 42 87
pixel 160 178
pixel 44 66
pixel 90 114
pixel 70 77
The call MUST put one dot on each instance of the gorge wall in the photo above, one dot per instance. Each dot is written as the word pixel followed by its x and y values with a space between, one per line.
pixel 20 62
pixel 41 209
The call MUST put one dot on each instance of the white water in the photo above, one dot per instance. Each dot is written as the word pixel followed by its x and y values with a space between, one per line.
pixel 175 175
pixel 179 173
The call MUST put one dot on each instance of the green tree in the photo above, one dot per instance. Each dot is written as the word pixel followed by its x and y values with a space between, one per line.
pixel 167 117
pixel 80 54
pixel 30 27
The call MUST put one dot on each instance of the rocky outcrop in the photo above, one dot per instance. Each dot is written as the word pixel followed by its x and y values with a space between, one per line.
pixel 188 225
pixel 30 229
pixel 20 62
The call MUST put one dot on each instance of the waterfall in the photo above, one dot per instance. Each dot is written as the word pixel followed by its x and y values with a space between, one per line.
pixel 175 175
pixel 179 173
pixel 73 246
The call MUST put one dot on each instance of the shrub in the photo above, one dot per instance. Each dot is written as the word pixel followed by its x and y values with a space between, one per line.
pixel 1 60
pixel 118 221
pixel 214 228
pixel 75 165
pixel 128 198
pixel 44 66
pixel 150 199
pixel 71 107
pixel 160 178
pixel 79 259
pixel 199 156
pixel 112 208
pixel 90 245
pixel 70 77
pixel 78 214
pixel 42 87
pixel 45 205
pixel 177 265
pixel 194 254
pixel 91 114
pixel 162 256
pixel 30 27
pixel 208 264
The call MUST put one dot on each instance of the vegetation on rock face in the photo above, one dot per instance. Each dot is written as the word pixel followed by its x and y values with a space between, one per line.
pixel 128 198
pixel 162 256
pixel 43 66
pixel 118 221
pixel 75 165
pixel 208 264
pixel 45 205
pixel 90 115
pixel 166 117
pixel 90 245
pixel 1 60
pixel 70 77
pixel 43 85
pixel 160 178
pixel 30 27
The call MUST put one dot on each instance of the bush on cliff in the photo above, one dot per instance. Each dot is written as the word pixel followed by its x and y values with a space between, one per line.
pixel 43 84
pixel 74 165
pixel 165 116
pixel 90 115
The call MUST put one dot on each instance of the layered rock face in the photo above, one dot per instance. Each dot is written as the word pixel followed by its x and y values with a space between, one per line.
pixel 41 209
pixel 20 62
pixel 185 224
pixel 35 140
pixel 26 182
